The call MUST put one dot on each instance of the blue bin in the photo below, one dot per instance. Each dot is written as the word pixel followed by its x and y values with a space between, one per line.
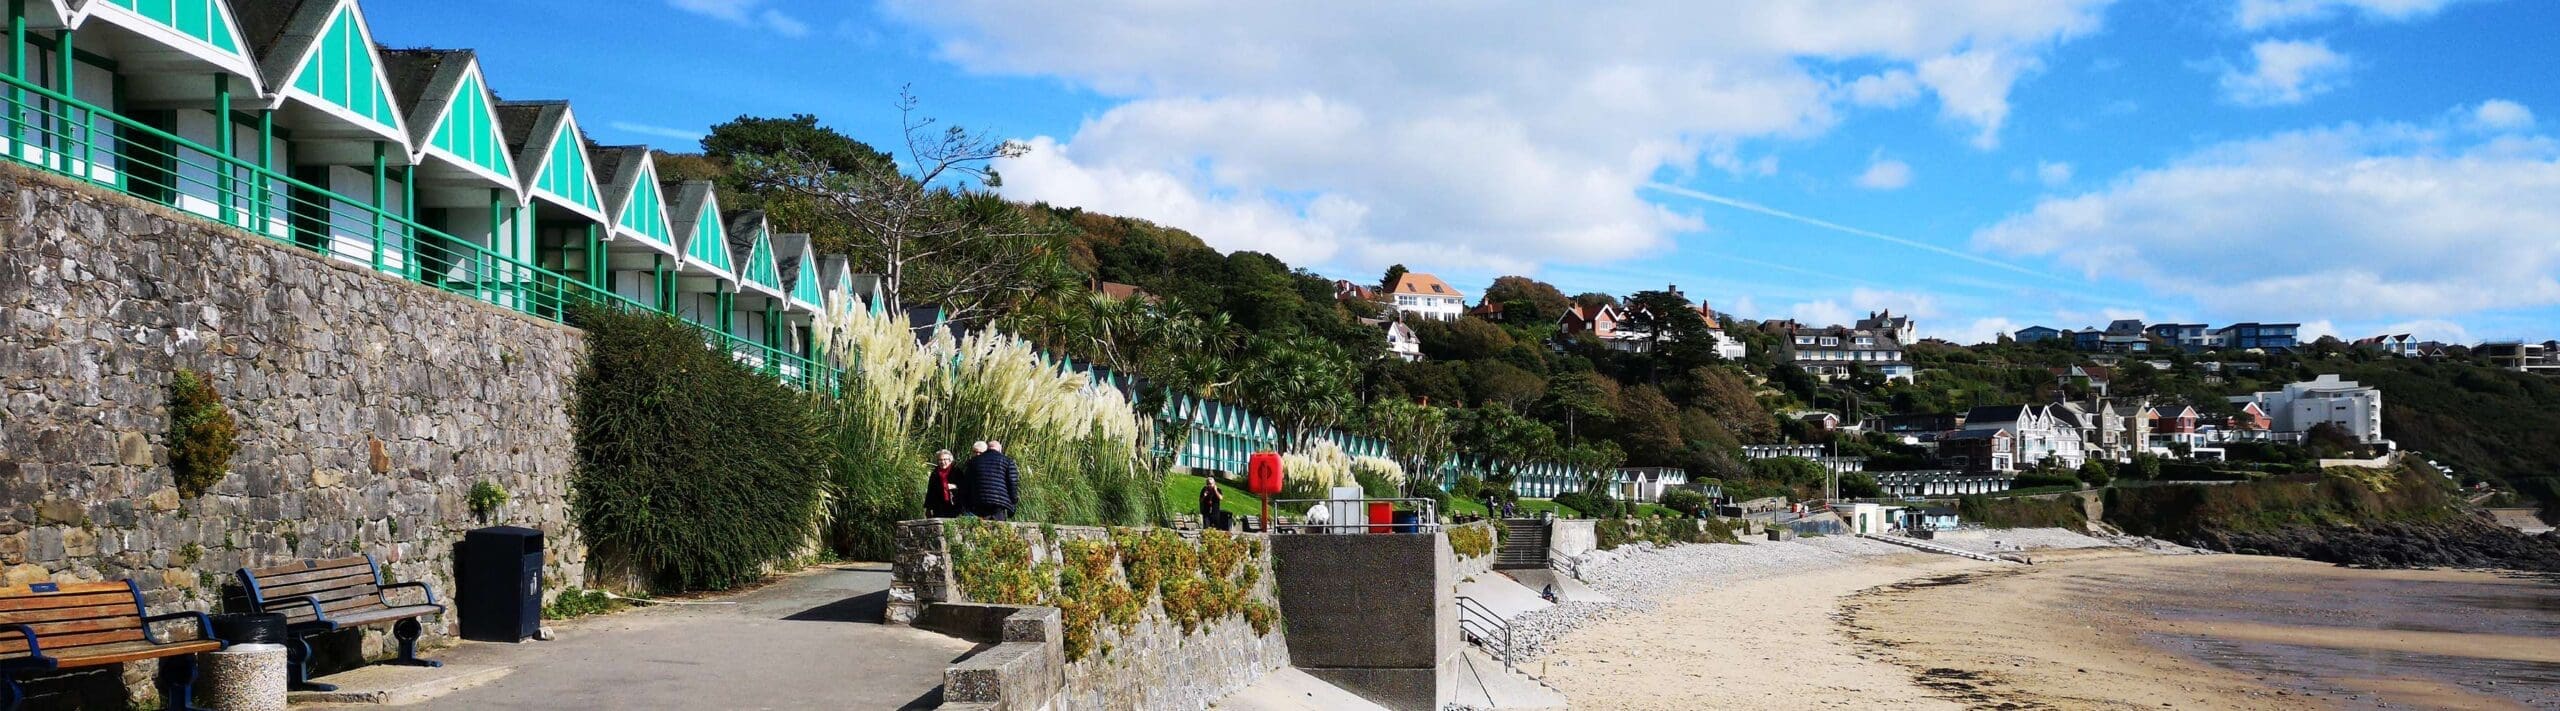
pixel 1408 521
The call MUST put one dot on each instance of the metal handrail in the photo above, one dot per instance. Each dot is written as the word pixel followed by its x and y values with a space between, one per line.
pixel 1429 523
pixel 1486 617
pixel 60 134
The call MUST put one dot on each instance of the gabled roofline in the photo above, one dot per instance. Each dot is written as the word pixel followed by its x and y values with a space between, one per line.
pixel 802 252
pixel 76 15
pixel 693 197
pixel 550 118
pixel 742 250
pixel 631 168
pixel 437 98
pixel 296 45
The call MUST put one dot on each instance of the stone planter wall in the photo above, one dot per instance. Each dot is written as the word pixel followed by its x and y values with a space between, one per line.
pixel 1153 666
pixel 367 406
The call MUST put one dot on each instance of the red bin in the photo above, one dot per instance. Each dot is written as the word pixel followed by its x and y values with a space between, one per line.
pixel 1382 517
pixel 1262 473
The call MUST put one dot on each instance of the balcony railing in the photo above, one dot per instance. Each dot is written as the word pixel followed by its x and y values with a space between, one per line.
pixel 61 134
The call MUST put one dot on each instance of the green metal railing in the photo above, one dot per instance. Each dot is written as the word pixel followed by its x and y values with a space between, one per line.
pixel 62 134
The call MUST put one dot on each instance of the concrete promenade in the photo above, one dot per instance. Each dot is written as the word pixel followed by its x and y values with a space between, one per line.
pixel 811 640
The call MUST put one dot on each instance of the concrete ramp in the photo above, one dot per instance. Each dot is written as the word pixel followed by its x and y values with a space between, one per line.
pixel 1567 588
pixel 1503 595
pixel 1478 681
pixel 1288 689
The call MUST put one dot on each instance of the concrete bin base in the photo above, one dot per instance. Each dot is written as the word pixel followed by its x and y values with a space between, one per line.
pixel 244 677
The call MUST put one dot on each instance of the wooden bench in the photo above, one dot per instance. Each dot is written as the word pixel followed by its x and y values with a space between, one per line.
pixel 51 626
pixel 319 596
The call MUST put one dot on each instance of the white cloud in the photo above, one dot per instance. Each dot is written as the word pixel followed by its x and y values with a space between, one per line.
pixel 1520 130
pixel 2424 330
pixel 1920 307
pixel 1885 174
pixel 657 131
pixel 2053 173
pixel 2256 15
pixel 1974 87
pixel 783 24
pixel 2352 222
pixel 1889 90
pixel 745 13
pixel 2285 72
pixel 2501 115
pixel 1981 330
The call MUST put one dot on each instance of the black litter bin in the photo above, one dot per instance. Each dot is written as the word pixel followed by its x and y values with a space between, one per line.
pixel 498 583
pixel 249 628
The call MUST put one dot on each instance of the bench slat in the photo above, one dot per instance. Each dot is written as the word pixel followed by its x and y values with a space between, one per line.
pixel 279 572
pixel 68 642
pixel 343 571
pixel 28 617
pixel 45 601
pixel 359 579
pixel 45 632
pixel 14 591
pixel 119 652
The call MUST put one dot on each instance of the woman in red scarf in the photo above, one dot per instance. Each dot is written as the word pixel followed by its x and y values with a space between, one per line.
pixel 942 491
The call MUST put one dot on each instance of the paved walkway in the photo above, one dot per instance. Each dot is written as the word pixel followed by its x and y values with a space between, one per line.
pixel 813 640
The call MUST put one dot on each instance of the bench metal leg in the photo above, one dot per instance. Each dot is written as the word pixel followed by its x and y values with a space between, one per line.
pixel 408 630
pixel 297 654
pixel 10 694
pixel 177 683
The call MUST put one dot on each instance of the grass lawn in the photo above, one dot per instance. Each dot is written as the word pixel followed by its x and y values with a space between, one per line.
pixel 1465 506
pixel 1182 496
pixel 1655 510
pixel 1534 507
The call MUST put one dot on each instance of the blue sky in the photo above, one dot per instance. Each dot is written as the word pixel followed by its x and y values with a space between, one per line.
pixel 2360 166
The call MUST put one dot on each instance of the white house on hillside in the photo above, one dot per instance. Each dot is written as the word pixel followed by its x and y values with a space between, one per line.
pixel 2355 408
pixel 1425 296
pixel 1401 342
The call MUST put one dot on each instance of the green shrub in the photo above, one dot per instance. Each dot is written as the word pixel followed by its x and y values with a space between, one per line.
pixel 2096 472
pixel 1684 501
pixel 1991 512
pixel 1471 540
pixel 694 472
pixel 485 498
pixel 202 434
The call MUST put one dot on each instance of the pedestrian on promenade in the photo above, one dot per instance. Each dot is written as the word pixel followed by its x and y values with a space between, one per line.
pixel 942 488
pixel 994 483
pixel 1212 500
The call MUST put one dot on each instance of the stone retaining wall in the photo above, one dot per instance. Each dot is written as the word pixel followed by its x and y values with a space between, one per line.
pixel 1479 565
pixel 1153 666
pixel 367 406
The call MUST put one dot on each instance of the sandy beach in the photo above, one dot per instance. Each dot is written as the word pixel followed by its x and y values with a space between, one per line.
pixel 1761 643
pixel 2111 629
pixel 2095 628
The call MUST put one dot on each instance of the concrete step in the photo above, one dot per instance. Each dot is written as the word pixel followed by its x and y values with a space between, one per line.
pixel 1933 547
pixel 389 685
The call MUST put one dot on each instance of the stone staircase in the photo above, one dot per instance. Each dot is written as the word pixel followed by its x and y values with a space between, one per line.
pixel 1524 547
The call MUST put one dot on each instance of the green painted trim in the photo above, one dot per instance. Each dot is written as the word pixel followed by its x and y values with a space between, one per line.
pixel 760 268
pixel 468 130
pixel 565 174
pixel 644 211
pixel 207 21
pixel 343 71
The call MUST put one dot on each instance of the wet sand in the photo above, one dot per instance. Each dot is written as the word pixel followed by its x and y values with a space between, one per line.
pixel 2120 630
pixel 1768 643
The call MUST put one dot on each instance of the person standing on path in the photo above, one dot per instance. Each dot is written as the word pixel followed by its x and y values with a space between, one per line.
pixel 1212 515
pixel 994 482
pixel 942 488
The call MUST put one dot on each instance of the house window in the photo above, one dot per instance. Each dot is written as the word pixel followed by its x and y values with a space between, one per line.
pixel 1866 341
pixel 1830 341
pixel 1804 340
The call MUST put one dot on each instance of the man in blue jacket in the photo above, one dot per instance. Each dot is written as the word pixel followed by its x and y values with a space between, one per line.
pixel 994 481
